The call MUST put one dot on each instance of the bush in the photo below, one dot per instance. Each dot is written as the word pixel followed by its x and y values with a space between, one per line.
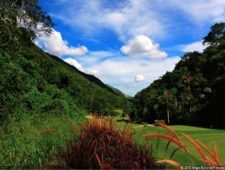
pixel 101 145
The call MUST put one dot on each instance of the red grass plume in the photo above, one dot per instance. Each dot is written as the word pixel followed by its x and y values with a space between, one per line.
pixel 170 162
pixel 102 145
pixel 171 139
pixel 171 131
pixel 212 161
pixel 166 138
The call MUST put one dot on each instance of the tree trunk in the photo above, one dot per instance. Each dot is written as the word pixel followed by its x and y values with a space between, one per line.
pixel 168 116
pixel 167 111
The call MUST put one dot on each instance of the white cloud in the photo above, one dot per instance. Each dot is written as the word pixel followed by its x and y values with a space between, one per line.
pixel 195 46
pixel 77 65
pixel 129 18
pixel 56 45
pixel 121 71
pixel 142 45
pixel 201 10
pixel 74 63
pixel 94 72
pixel 94 57
pixel 139 78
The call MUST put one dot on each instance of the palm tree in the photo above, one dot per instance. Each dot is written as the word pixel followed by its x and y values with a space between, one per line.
pixel 168 95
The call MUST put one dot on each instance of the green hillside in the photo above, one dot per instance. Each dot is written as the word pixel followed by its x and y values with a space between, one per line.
pixel 43 100
pixel 193 93
pixel 36 82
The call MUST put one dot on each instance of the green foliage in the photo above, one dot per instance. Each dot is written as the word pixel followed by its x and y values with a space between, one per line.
pixel 20 22
pixel 216 36
pixel 37 83
pixel 32 141
pixel 192 93
pixel 34 82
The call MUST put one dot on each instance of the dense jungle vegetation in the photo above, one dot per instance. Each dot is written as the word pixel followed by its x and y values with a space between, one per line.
pixel 193 93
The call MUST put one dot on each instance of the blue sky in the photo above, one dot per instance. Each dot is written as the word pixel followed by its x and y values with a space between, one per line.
pixel 128 43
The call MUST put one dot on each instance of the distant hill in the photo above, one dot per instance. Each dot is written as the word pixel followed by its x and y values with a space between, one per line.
pixel 91 78
pixel 35 82
pixel 116 91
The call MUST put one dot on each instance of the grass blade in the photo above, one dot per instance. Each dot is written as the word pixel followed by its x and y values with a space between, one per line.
pixel 174 152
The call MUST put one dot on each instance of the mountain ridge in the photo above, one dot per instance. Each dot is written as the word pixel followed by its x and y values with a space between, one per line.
pixel 35 82
pixel 90 77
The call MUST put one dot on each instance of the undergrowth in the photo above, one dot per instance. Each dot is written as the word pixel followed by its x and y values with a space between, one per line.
pixel 33 140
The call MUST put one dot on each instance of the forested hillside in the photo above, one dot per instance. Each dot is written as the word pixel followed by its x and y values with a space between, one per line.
pixel 194 92
pixel 37 83
pixel 34 82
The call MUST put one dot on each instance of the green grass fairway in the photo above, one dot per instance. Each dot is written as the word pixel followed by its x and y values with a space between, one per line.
pixel 204 135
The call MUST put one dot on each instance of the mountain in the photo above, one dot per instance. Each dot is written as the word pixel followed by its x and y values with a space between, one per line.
pixel 193 93
pixel 36 82
pixel 116 91
pixel 91 78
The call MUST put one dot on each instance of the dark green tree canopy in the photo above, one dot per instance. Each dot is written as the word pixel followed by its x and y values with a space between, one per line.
pixel 21 21
pixel 216 36
pixel 193 93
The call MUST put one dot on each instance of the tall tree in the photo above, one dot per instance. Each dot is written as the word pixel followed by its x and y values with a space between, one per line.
pixel 21 21
pixel 216 36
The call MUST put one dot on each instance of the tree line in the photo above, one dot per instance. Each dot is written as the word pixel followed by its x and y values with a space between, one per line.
pixel 193 93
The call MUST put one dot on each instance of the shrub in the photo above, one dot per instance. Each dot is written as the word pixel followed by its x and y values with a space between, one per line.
pixel 102 145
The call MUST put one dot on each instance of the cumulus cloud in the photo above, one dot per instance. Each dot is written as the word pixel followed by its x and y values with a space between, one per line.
pixel 56 45
pixel 74 63
pixel 77 65
pixel 195 46
pixel 139 78
pixel 121 71
pixel 142 45
pixel 140 19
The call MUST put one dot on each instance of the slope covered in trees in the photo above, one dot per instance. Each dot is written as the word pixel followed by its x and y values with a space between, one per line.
pixel 194 92
pixel 34 82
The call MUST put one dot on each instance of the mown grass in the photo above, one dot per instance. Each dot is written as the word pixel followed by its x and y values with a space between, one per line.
pixel 204 135
pixel 34 140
